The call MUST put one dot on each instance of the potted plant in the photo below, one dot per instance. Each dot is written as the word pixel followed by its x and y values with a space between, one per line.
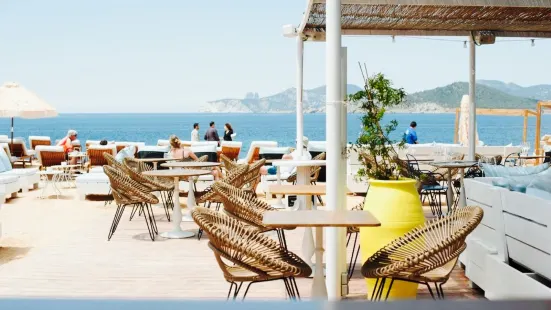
pixel 391 198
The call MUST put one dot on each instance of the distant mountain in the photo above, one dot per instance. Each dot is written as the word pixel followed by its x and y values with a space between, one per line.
pixel 538 92
pixel 489 94
pixel 284 102
pixel 450 96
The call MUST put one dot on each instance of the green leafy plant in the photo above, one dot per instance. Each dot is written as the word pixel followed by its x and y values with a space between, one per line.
pixel 374 146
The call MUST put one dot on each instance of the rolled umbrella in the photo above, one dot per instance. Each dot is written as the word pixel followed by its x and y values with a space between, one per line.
pixel 16 101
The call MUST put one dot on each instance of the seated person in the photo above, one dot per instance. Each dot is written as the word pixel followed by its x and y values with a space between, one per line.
pixel 288 170
pixel 67 144
pixel 179 152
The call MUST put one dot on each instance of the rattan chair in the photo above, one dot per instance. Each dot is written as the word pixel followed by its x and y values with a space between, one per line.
pixel 209 196
pixel 244 206
pixel 427 254
pixel 126 193
pixel 245 255
pixel 252 177
pixel 161 185
pixel 227 163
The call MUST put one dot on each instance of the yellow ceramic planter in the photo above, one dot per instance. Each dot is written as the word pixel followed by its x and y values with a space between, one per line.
pixel 397 206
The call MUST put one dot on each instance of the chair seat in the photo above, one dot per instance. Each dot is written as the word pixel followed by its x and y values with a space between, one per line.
pixel 439 274
pixel 7 179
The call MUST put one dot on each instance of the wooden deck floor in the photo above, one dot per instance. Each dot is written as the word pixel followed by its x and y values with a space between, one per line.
pixel 59 248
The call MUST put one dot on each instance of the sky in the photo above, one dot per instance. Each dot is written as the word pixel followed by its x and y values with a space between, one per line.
pixel 106 56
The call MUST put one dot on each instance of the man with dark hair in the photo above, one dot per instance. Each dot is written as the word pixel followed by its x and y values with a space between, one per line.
pixel 212 134
pixel 195 133
pixel 411 135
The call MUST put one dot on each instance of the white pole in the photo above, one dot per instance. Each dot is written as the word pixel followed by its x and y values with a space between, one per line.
pixel 472 100
pixel 300 83
pixel 344 143
pixel 333 128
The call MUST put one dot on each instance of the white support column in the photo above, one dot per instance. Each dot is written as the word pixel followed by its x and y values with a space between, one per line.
pixel 333 136
pixel 472 99
pixel 344 142
pixel 300 83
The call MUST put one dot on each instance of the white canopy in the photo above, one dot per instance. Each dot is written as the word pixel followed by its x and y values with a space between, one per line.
pixel 16 101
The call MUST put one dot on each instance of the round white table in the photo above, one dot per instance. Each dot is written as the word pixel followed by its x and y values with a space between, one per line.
pixel 176 174
pixel 67 174
pixel 455 164
pixel 191 204
pixel 50 179
pixel 305 202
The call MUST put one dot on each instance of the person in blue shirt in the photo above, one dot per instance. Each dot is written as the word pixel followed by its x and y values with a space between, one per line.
pixel 410 134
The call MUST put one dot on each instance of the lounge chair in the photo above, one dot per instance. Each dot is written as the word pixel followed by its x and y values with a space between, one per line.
pixel 231 149
pixel 9 186
pixel 19 152
pixel 273 153
pixel 122 144
pixel 315 148
pixel 95 154
pixel 209 149
pixel 49 155
pixel 34 141
pixel 254 149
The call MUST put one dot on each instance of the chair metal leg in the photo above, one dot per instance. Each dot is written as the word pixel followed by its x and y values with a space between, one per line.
pixel 116 220
pixel 148 222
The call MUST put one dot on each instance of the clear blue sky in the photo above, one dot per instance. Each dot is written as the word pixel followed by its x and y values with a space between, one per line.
pixel 173 55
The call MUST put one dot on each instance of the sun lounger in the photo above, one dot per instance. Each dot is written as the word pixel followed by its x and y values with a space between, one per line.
pixel 95 154
pixel 122 144
pixel 254 149
pixel 92 184
pixel 202 149
pixel 9 186
pixel 231 149
pixel 34 141
pixel 49 155
pixel 19 152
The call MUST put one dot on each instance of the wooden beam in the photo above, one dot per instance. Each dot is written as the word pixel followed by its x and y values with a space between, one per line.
pixel 525 127
pixel 538 128
pixel 456 131
pixel 500 3
pixel 319 35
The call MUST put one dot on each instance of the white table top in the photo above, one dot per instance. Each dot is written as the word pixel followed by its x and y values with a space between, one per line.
pixel 50 172
pixel 453 164
pixel 320 218
pixel 298 163
pixel 190 164
pixel 176 173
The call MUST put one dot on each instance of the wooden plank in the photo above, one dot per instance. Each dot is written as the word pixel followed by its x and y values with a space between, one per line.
pixel 319 218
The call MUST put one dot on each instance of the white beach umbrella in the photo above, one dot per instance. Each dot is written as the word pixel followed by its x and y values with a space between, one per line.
pixel 464 122
pixel 16 101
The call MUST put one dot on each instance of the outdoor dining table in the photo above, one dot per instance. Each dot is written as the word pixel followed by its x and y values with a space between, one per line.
pixel 153 161
pixel 176 174
pixel 319 219
pixel 455 164
pixel 191 204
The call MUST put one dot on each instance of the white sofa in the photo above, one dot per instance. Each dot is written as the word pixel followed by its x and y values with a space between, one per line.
pixel 9 186
pixel 427 150
pixel 27 178
pixel 515 230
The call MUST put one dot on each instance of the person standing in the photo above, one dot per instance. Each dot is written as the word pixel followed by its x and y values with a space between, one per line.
pixel 212 134
pixel 228 132
pixel 195 133
pixel 411 135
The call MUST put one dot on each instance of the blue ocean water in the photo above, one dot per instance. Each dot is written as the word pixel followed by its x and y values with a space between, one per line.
pixel 148 128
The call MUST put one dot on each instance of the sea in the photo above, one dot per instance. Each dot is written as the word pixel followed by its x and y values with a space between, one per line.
pixel 148 128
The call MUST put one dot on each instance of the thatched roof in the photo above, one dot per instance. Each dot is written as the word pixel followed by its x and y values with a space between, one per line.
pixel 506 18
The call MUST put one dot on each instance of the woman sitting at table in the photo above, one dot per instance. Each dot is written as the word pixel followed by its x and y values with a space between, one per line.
pixel 177 151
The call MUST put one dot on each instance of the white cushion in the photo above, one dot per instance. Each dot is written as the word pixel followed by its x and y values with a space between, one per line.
pixel 127 152
pixel 49 148
pixel 111 147
pixel 23 172
pixel 204 143
pixel 204 148
pixel 7 179
pixel 96 170
pixel 5 163
pixel 258 144
pixel 163 142
pixel 153 148
pixel 317 146
pixel 274 150
pixel 92 178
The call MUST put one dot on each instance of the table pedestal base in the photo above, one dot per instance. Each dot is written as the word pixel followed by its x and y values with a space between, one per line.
pixel 187 217
pixel 177 234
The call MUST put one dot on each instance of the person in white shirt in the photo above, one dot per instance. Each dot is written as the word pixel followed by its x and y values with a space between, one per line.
pixel 195 133
pixel 288 170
